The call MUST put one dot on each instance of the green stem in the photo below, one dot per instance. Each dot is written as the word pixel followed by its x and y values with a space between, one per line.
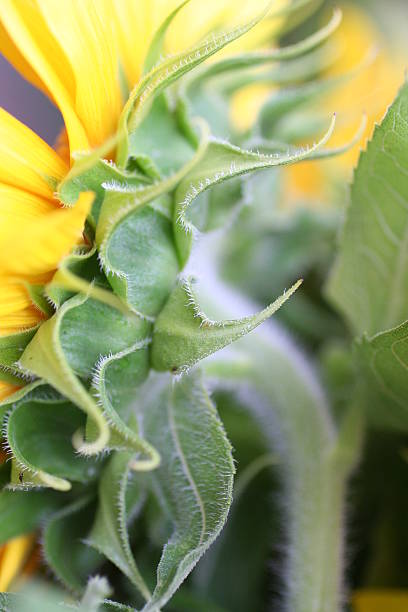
pixel 316 461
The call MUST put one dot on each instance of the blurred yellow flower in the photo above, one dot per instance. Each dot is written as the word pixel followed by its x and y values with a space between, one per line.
pixel 380 601
pixel 370 91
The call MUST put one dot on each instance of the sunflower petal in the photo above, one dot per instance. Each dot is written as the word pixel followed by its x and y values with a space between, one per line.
pixel 40 243
pixel 26 161
pixel 14 556
pixel 26 28
pixel 87 39
pixel 6 389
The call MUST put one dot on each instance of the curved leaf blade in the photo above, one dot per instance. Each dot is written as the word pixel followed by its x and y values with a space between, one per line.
pixel 194 481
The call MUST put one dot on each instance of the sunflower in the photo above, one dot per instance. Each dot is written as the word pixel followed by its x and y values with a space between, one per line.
pixel 86 56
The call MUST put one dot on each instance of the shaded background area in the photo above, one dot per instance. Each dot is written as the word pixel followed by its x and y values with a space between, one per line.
pixel 28 104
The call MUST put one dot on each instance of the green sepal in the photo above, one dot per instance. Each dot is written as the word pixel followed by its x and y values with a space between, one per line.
pixel 38 297
pixel 180 419
pixel 67 356
pixel 65 553
pixel 23 394
pixel 183 335
pixel 11 349
pixel 109 533
pixel 39 431
pixel 44 357
pixel 163 125
pixel 140 259
pixel 22 512
pixel 115 384
pixel 156 46
pixel 255 59
pixel 222 162
pixel 82 264
pixel 93 174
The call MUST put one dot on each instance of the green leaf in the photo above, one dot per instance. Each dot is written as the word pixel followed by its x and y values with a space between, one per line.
pixel 64 551
pixel 22 512
pixel 369 283
pixel 183 335
pixel 222 162
pixel 383 362
pixel 194 480
pixel 109 533
pixel 166 73
pixel 253 523
pixel 39 433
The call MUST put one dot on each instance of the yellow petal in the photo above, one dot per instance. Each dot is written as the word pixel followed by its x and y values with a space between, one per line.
pixel 87 39
pixel 20 319
pixel 13 298
pixel 18 208
pixel 38 246
pixel 14 556
pixel 26 161
pixel 380 601
pixel 28 32
pixel 6 389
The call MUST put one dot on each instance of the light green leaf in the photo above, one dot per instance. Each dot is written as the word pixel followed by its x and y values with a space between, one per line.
pixel 369 283
pixel 194 480
pixel 222 162
pixel 64 550
pixel 109 533
pixel 183 335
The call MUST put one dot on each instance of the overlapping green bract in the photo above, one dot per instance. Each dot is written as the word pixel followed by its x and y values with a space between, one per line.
pixel 117 309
